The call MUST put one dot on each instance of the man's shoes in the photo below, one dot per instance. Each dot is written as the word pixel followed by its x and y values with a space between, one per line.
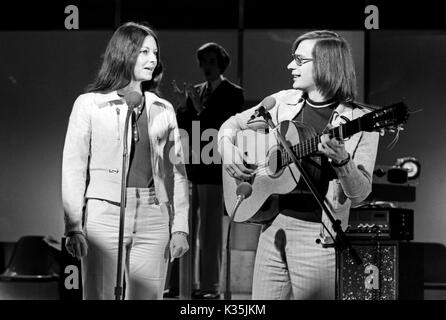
pixel 171 293
pixel 205 295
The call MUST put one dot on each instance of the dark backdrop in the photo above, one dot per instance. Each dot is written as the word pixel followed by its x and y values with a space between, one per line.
pixel 44 67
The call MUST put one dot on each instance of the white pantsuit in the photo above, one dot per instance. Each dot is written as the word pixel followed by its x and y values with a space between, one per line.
pixel 145 254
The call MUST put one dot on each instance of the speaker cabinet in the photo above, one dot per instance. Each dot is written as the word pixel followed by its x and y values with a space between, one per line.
pixel 390 270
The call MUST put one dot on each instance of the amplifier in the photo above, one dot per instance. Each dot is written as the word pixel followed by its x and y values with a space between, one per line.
pixel 390 270
pixel 381 223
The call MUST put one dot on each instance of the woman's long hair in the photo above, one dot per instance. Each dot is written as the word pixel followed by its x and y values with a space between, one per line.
pixel 119 60
pixel 334 69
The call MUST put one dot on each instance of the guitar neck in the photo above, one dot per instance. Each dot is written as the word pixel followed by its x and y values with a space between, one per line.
pixel 309 146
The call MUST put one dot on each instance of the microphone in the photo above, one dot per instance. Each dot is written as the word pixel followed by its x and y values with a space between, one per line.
pixel 133 100
pixel 243 191
pixel 267 104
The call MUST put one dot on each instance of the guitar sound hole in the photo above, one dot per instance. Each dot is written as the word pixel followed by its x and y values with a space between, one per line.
pixel 274 162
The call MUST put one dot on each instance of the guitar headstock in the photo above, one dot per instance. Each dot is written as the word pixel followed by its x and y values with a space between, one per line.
pixel 389 117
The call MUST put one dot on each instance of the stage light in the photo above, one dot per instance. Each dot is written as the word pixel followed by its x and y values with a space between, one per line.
pixel 411 165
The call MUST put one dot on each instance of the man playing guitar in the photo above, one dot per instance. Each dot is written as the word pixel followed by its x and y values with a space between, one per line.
pixel 290 263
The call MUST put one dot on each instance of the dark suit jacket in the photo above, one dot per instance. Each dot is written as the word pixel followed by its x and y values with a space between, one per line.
pixel 226 100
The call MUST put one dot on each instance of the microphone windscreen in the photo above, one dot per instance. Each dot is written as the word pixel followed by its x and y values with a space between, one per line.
pixel 244 189
pixel 133 99
pixel 268 103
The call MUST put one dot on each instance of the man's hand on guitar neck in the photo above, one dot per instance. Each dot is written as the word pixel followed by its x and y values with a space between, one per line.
pixel 333 148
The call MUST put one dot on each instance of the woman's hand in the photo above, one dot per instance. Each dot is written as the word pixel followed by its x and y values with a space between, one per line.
pixel 178 245
pixel 77 245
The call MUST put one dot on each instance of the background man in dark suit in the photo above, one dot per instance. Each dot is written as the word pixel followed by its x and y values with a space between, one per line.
pixel 206 106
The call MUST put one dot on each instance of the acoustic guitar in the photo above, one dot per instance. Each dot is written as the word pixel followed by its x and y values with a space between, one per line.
pixel 275 171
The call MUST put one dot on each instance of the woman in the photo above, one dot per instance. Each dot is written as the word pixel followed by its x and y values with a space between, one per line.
pixel 157 191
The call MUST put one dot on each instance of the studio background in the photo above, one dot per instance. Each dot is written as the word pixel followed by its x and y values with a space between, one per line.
pixel 43 70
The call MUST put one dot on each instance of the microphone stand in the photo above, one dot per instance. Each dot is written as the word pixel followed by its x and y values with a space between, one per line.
pixel 118 288
pixel 241 196
pixel 341 241
pixel 228 294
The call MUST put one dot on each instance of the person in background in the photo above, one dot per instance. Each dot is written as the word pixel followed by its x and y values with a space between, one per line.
pixel 206 106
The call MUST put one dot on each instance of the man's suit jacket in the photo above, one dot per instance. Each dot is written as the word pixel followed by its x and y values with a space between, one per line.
pixel 225 101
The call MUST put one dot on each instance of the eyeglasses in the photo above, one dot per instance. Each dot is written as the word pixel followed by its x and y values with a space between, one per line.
pixel 299 60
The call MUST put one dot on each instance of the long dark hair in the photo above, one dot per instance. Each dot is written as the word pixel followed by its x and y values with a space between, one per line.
pixel 334 69
pixel 120 57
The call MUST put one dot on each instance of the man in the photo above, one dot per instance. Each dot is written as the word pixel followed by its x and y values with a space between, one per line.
pixel 290 263
pixel 206 106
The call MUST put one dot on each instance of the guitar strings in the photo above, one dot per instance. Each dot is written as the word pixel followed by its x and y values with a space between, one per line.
pixel 307 147
pixel 393 143
pixel 302 149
